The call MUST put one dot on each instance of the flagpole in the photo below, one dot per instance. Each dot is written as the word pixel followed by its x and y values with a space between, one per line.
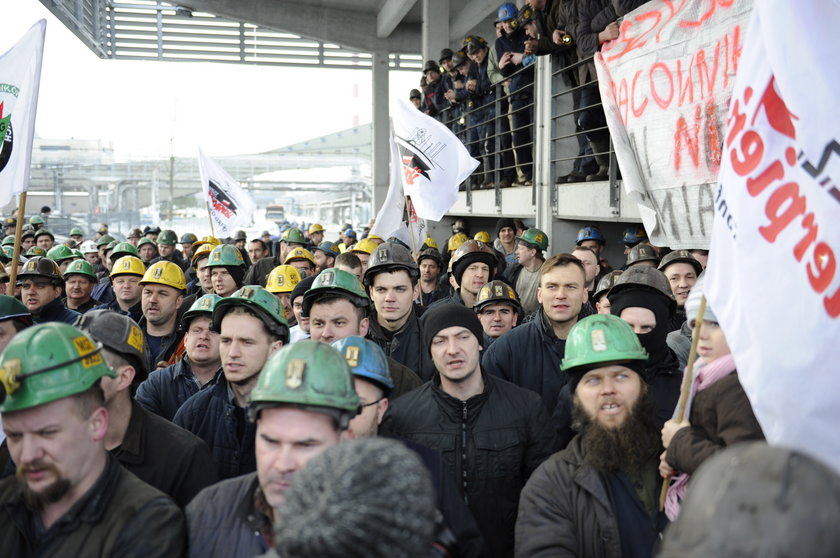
pixel 210 218
pixel 688 379
pixel 18 232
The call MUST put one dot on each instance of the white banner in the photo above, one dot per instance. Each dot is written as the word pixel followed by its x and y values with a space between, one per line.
pixel 229 204
pixel 666 84
pixel 20 78
pixel 434 161
pixel 773 279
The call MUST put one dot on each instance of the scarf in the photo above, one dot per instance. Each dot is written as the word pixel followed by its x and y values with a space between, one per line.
pixel 706 375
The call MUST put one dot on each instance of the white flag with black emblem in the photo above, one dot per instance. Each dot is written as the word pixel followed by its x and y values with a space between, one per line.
pixel 228 203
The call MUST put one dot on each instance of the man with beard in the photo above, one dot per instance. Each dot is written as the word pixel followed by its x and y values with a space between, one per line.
pixel 70 497
pixel 599 496
pixel 251 326
pixel 431 265
pixel 325 255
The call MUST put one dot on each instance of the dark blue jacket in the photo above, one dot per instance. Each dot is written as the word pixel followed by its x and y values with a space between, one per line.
pixel 104 291
pixel 135 312
pixel 529 356
pixel 209 414
pixel 166 389
pixel 406 346
pixel 520 81
pixel 55 311
pixel 168 343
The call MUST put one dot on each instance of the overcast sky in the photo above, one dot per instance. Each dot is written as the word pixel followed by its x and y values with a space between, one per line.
pixel 230 109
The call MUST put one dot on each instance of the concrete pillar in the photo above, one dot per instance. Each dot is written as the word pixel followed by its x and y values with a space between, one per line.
pixel 380 153
pixel 435 30
pixel 543 180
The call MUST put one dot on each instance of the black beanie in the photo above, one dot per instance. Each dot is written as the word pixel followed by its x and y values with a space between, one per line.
pixel 301 288
pixel 450 315
pixel 504 222
pixel 655 341
pixel 238 274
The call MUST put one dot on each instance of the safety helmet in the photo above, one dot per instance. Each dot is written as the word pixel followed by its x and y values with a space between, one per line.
pixel 337 282
pixel 606 283
pixel 298 253
pixel 226 255
pixel 350 233
pixel 78 254
pixel 525 16
pixel 496 291
pixel 134 233
pixel 120 334
pixel 455 241
pixel 315 228
pixel 9 240
pixel 307 374
pixel 645 277
pixel 59 253
pixel 390 257
pixel 203 306
pixel 507 11
pixel 633 234
pixel 534 237
pixel 265 305
pixel 128 265
pixel 164 273
pixel 212 240
pixel 88 247
pixel 121 249
pixel 104 240
pixel 459 58
pixel 328 248
pixel 48 362
pixel 294 236
pixel 143 241
pixel 35 251
pixel 469 252
pixel 9 252
pixel 76 231
pixel 414 94
pixel 590 232
pixel 282 279
pixel 188 238
pixel 13 309
pixel 681 256
pixel 459 226
pixel 80 267
pixel 365 246
pixel 167 238
pixel 430 243
pixel 431 66
pixel 432 254
pixel 36 220
pixel 642 253
pixel 366 360
pixel 203 251
pixel 41 266
pixel 9 222
pixel 601 339
pixel 240 235
pixel 483 236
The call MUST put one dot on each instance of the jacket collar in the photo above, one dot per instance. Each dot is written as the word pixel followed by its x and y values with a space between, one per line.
pixel 131 448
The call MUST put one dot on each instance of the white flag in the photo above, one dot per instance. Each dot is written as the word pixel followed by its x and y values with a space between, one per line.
pixel 20 78
pixel 773 278
pixel 390 216
pixel 434 161
pixel 229 204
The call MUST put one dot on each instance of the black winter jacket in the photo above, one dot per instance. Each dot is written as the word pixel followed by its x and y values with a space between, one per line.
pixel 405 346
pixel 211 415
pixel 490 444
pixel 166 389
pixel 55 311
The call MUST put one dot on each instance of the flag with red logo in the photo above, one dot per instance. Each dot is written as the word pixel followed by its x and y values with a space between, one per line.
pixel 228 203
pixel 20 78
pixel 773 278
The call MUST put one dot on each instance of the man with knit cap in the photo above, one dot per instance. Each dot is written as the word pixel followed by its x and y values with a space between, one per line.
pixel 472 265
pixel 302 404
pixel 506 239
pixel 599 496
pixel 492 434
pixel 301 329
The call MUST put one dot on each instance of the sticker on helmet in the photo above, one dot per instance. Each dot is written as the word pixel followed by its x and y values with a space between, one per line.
pixel 351 355
pixel 281 280
pixel 246 292
pixel 9 374
pixel 498 290
pixel 135 338
pixel 294 373
pixel 327 278
pixel 205 304
pixel 158 272
pixel 85 346
pixel 31 265
pixel 599 340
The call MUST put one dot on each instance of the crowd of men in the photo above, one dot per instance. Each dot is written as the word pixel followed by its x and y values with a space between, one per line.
pixel 161 396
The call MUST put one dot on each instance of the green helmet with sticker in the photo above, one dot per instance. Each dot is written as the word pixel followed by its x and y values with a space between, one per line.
pixel 226 255
pixel 80 267
pixel 204 306
pixel 307 374
pixel 294 236
pixel 534 237
pixel 601 339
pixel 168 238
pixel 36 251
pixel 265 305
pixel 104 240
pixel 333 281
pixel 60 252
pixel 48 362
pixel 76 231
pixel 121 249
pixel 36 220
pixel 9 240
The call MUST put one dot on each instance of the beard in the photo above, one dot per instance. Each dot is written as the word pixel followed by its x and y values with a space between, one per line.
pixel 54 492
pixel 622 448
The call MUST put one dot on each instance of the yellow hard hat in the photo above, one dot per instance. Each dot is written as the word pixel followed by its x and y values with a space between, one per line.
pixel 365 245
pixel 128 265
pixel 165 273
pixel 282 279
pixel 431 242
pixel 456 240
pixel 483 236
pixel 202 251
pixel 315 227
pixel 299 253
pixel 212 240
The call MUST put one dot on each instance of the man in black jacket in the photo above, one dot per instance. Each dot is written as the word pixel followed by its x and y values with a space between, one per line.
pixel 492 434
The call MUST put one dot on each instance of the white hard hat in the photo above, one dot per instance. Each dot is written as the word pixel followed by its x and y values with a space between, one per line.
pixel 88 247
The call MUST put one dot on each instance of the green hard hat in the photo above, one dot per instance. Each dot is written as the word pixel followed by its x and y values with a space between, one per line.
pixel 143 241
pixel 80 267
pixel 601 339
pixel 226 255
pixel 76 231
pixel 78 254
pixel 13 309
pixel 167 237
pixel 308 374
pixel 267 306
pixel 188 238
pixel 294 236
pixel 104 240
pixel 36 220
pixel 337 282
pixel 9 240
pixel 9 251
pixel 121 249
pixel 47 362
pixel 203 306
pixel 36 251
pixel 60 252
pixel 534 237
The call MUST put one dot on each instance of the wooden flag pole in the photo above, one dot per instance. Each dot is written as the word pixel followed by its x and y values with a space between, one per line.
pixel 18 232
pixel 414 252
pixel 210 218
pixel 688 379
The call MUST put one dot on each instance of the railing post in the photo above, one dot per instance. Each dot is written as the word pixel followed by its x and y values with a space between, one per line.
pixel 543 181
